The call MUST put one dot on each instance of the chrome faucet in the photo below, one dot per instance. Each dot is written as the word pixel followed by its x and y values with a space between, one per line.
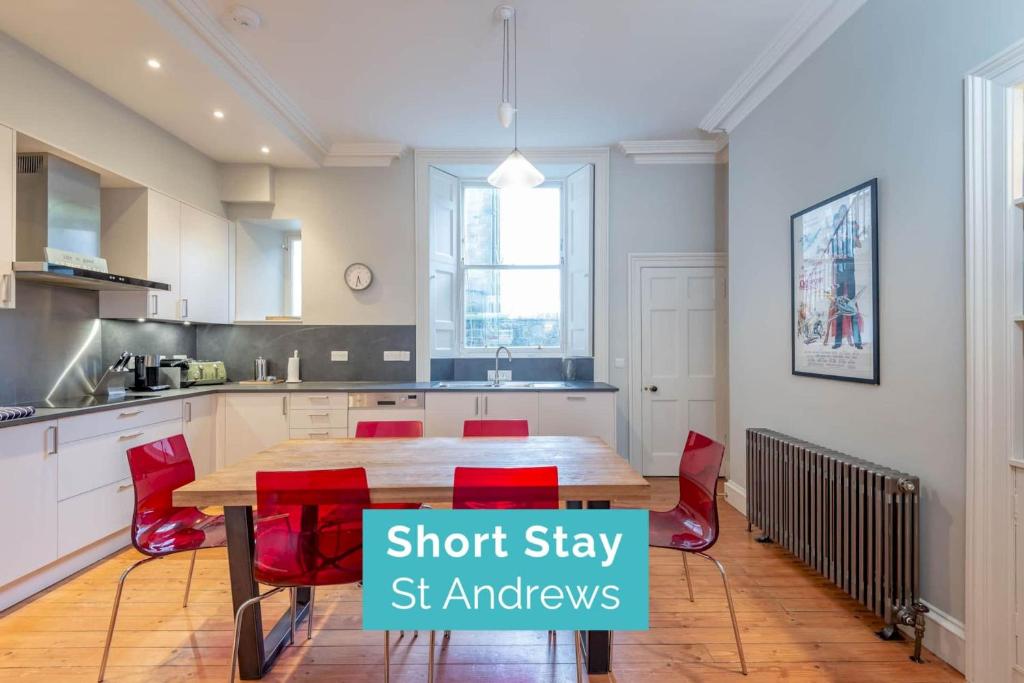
pixel 497 354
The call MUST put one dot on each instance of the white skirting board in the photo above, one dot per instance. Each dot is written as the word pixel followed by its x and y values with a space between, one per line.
pixel 943 635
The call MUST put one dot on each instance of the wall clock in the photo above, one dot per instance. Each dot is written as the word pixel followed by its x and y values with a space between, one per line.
pixel 358 276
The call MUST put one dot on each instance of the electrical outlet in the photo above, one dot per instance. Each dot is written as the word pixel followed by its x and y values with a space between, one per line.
pixel 339 355
pixel 503 375
pixel 402 356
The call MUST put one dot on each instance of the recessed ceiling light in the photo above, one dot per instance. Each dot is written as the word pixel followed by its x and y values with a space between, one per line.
pixel 153 63
pixel 265 150
pixel 218 114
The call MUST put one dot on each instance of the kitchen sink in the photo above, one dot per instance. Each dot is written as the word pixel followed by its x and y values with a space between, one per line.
pixel 502 385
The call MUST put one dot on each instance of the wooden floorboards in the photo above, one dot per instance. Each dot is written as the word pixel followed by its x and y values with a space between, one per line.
pixel 795 625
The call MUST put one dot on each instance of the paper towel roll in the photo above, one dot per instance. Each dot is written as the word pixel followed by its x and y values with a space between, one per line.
pixel 293 369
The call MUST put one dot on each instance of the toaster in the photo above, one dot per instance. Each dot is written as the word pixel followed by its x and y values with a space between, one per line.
pixel 203 372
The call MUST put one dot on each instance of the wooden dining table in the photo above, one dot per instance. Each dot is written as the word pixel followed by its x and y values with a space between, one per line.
pixel 590 474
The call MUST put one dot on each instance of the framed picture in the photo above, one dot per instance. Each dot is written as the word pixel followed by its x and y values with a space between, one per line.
pixel 834 271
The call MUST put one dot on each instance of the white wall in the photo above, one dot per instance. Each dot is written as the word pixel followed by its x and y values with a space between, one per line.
pixel 882 97
pixel 655 208
pixel 39 98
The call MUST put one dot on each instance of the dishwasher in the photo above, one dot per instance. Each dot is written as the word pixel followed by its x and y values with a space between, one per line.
pixel 384 407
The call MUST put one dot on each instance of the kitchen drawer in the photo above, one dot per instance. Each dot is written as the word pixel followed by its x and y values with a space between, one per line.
pixel 91 516
pixel 318 419
pixel 317 433
pixel 304 401
pixel 88 464
pixel 128 416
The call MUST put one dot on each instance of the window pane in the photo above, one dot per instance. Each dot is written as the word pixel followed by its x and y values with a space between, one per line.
pixel 513 308
pixel 514 228
pixel 478 228
pixel 530 226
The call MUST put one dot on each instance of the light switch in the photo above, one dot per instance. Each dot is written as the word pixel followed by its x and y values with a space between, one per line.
pixel 620 362
pixel 339 355
pixel 396 356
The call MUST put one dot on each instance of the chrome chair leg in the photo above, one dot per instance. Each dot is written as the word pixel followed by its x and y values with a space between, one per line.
pixel 732 611
pixel 579 656
pixel 188 581
pixel 293 597
pixel 238 627
pixel 113 613
pixel 387 655
pixel 309 617
pixel 689 581
pixel 430 659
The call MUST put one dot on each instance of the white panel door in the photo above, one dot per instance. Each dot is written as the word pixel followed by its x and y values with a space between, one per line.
pixel 8 159
pixel 444 254
pixel 578 260
pixel 205 267
pixel 252 423
pixel 447 411
pixel 28 498
pixel 199 425
pixel 682 363
pixel 163 254
pixel 512 405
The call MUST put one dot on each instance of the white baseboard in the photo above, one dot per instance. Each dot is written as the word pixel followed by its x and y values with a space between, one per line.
pixel 27 586
pixel 944 636
pixel 736 496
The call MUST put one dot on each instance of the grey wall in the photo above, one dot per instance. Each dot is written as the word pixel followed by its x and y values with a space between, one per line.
pixel 655 208
pixel 882 97
pixel 239 345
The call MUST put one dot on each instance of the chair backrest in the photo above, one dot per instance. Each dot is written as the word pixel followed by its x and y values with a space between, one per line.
pixel 698 483
pixel 309 529
pixel 157 468
pixel 505 488
pixel 389 429
pixel 496 428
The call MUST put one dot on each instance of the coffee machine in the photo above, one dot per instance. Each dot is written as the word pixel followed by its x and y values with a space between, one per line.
pixel 147 374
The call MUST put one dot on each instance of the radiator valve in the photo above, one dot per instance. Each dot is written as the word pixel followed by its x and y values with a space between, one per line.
pixel 919 609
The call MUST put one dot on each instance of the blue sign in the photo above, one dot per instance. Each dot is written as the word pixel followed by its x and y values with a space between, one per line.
pixel 505 569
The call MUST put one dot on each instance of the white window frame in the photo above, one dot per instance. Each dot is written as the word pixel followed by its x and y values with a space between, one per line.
pixel 520 351
pixel 597 157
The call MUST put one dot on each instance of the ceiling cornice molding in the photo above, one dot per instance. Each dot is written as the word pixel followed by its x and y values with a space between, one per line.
pixel 805 33
pixel 675 151
pixel 363 154
pixel 201 32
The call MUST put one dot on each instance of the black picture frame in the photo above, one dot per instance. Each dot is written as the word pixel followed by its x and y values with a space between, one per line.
pixel 839 239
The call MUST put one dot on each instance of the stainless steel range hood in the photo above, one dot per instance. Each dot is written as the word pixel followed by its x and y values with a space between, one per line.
pixel 58 206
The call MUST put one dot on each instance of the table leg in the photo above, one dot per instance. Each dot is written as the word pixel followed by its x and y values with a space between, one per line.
pixel 597 645
pixel 255 654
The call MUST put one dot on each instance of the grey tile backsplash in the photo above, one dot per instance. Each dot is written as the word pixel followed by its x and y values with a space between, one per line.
pixel 239 345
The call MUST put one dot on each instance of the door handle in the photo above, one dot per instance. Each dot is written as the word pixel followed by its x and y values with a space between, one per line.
pixel 52 429
pixel 188 411
pixel 184 308
pixel 652 388
pixel 8 284
pixel 284 406
pixel 486 405
pixel 476 406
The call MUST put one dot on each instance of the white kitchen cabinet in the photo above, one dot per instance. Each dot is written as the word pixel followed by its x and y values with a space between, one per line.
pixel 199 425
pixel 252 423
pixel 8 160
pixel 141 237
pixel 28 498
pixel 578 414
pixel 447 411
pixel 205 267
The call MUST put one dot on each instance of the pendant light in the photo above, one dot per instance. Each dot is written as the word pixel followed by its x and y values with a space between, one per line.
pixel 516 171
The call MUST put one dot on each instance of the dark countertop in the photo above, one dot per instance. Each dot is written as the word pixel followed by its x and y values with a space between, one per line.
pixel 43 414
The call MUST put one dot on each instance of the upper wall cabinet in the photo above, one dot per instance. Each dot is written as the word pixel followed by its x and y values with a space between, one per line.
pixel 8 159
pixel 149 235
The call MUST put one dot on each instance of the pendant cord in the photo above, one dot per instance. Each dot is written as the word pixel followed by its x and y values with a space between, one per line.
pixel 515 80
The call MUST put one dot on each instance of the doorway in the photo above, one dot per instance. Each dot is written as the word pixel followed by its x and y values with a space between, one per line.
pixel 678 351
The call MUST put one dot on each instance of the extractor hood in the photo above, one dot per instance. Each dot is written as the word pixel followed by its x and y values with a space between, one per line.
pixel 58 208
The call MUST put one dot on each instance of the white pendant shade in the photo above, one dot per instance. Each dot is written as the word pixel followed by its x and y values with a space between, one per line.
pixel 505 113
pixel 515 172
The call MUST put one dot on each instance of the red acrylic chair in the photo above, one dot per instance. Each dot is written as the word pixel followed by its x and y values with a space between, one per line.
pixel 496 428
pixel 396 429
pixel 506 488
pixel 692 525
pixel 309 533
pixel 159 528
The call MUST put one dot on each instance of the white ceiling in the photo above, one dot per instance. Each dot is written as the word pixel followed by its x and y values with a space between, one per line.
pixel 421 73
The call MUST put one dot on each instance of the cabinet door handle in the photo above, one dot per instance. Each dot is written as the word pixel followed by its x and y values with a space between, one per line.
pixel 184 308
pixel 52 431
pixel 284 406
pixel 323 434
pixel 188 411
pixel 487 405
pixel 129 437
pixel 130 413
pixel 156 305
pixel 8 284
pixel 123 487
pixel 575 398
pixel 319 398
pixel 319 414
pixel 476 406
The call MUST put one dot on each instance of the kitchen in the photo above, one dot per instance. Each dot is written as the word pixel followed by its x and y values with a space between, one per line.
pixel 216 224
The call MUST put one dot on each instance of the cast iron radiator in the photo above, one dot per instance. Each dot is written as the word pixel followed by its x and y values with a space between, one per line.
pixel 855 522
